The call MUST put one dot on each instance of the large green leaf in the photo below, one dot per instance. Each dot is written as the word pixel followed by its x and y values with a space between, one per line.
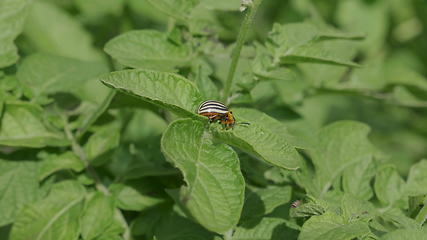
pixel 215 186
pixel 53 30
pixel 19 187
pixel 55 217
pixel 339 145
pixel 332 226
pixel 265 137
pixel 417 179
pixel 147 49
pixel 167 90
pixel 13 14
pixel 43 74
pixel 22 125
pixel 98 215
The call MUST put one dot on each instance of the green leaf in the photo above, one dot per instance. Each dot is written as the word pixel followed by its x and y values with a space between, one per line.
pixel 357 179
pixel 167 90
pixel 100 8
pixel 307 210
pixel 97 216
pixel 215 186
pixel 305 42
pixel 55 217
pixel 43 74
pixel 332 226
pixel 53 163
pixel 402 96
pixel 417 179
pixel 393 219
pixel 353 208
pixel 19 187
pixel 204 83
pixel 262 201
pixel 177 9
pixel 373 24
pixel 265 137
pixel 101 144
pixel 64 36
pixel 339 146
pixel 315 52
pixel 147 49
pixel 13 14
pixel 149 161
pixel 389 186
pixel 266 229
pixel 407 234
pixel 22 125
pixel 132 199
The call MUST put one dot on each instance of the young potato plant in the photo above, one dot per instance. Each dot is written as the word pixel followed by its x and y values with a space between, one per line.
pixel 100 136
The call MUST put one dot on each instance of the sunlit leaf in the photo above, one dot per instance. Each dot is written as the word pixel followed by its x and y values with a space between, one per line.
pixel 52 218
pixel 264 137
pixel 215 186
pixel 22 125
pixel 147 49
pixel 20 187
pixel 167 90
pixel 13 14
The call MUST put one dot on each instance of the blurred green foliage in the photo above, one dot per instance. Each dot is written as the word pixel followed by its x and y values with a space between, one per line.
pixel 334 88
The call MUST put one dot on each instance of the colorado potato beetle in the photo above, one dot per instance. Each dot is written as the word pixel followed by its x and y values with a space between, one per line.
pixel 217 111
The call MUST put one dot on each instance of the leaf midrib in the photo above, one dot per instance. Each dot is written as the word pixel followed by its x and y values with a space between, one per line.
pixel 56 216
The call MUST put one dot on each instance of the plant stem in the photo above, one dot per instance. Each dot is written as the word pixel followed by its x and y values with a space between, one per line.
pixel 78 150
pixel 95 115
pixel 246 24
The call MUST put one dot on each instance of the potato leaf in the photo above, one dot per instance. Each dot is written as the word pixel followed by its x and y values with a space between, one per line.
pixel 22 125
pixel 265 137
pixel 214 188
pixel 13 14
pixel 167 90
pixel 20 187
pixel 55 217
pixel 332 226
pixel 97 216
pixel 147 49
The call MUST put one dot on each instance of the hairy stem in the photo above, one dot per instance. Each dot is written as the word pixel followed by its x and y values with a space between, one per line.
pixel 246 25
pixel 78 150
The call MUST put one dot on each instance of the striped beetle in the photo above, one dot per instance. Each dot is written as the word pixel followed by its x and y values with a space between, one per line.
pixel 217 111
